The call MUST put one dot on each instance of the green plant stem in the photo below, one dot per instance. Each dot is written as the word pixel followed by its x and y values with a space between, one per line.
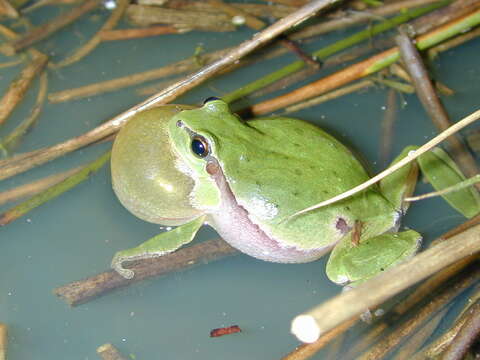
pixel 54 191
pixel 325 52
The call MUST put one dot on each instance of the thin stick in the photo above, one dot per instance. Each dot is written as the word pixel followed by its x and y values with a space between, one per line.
pixel 407 159
pixel 469 182
pixel 456 41
pixel 18 87
pixel 363 68
pixel 386 127
pixel 126 34
pixel 310 325
pixel 3 341
pixel 466 335
pixel 91 44
pixel 431 103
pixel 440 300
pixel 54 191
pixel 306 351
pixel 12 140
pixel 109 352
pixel 27 161
pixel 82 291
pixel 44 31
pixel 363 84
pixel 8 10
pixel 35 187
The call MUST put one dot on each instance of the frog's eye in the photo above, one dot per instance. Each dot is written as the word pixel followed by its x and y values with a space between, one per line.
pixel 211 98
pixel 200 146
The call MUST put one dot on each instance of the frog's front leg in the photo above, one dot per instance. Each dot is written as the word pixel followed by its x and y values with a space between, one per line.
pixel 159 245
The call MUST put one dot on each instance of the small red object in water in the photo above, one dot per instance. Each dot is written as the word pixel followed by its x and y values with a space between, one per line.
pixel 225 331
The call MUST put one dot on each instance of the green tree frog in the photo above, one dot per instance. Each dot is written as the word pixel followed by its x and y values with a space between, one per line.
pixel 185 166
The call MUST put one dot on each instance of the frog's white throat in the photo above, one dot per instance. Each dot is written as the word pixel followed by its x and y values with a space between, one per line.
pixel 234 225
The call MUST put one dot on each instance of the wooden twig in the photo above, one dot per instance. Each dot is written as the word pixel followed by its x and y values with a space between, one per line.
pixel 440 300
pixel 431 103
pixel 24 162
pixel 362 84
pixel 109 352
pixel 306 351
pixel 80 292
pixel 53 191
pixel 44 31
pixel 309 326
pixel 363 68
pixel 3 341
pixel 6 9
pixel 406 160
pixel 35 187
pixel 183 19
pixel 12 140
pixel 466 335
pixel 18 87
pixel 91 44
pixel 126 34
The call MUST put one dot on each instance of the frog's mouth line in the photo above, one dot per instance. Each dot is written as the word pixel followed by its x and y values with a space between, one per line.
pixel 233 223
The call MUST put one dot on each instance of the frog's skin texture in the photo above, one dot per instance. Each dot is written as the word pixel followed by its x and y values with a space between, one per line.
pixel 248 179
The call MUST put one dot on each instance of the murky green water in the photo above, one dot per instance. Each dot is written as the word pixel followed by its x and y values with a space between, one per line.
pixel 76 235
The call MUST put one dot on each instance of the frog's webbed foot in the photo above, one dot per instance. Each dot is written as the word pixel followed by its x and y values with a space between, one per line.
pixel 159 245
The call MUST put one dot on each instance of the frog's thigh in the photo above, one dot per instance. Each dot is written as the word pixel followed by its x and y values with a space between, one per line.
pixel 401 183
pixel 349 263
pixel 159 245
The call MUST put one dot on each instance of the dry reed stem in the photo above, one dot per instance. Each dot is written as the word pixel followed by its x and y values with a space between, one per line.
pixel 35 187
pixel 19 86
pixel 375 291
pixel 126 34
pixel 24 162
pixel 41 32
pixel 82 291
pixel 3 341
pixel 6 9
pixel 12 140
pixel 306 351
pixel 231 10
pixel 141 15
pixel 432 104
pixel 466 335
pixel 109 352
pixel 91 44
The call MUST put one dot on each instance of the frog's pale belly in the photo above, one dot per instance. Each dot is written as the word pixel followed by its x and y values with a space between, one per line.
pixel 231 221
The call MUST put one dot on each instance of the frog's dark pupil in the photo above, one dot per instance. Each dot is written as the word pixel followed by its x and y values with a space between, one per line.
pixel 199 147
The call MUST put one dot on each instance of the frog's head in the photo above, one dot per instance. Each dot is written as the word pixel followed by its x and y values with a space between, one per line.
pixel 163 161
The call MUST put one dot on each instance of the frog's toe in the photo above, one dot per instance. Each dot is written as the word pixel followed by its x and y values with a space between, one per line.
pixel 117 265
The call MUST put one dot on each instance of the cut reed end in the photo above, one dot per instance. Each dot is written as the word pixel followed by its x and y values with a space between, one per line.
pixel 305 328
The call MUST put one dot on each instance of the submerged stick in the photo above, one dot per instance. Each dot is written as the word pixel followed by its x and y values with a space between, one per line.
pixel 35 35
pixel 126 34
pixel 91 44
pixel 432 104
pixel 366 67
pixel 54 191
pixel 466 336
pixel 82 291
pixel 27 161
pixel 440 300
pixel 309 326
pixel 12 140
pixel 18 87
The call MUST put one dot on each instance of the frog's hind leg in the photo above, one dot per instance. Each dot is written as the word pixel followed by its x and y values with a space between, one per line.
pixel 401 183
pixel 352 264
